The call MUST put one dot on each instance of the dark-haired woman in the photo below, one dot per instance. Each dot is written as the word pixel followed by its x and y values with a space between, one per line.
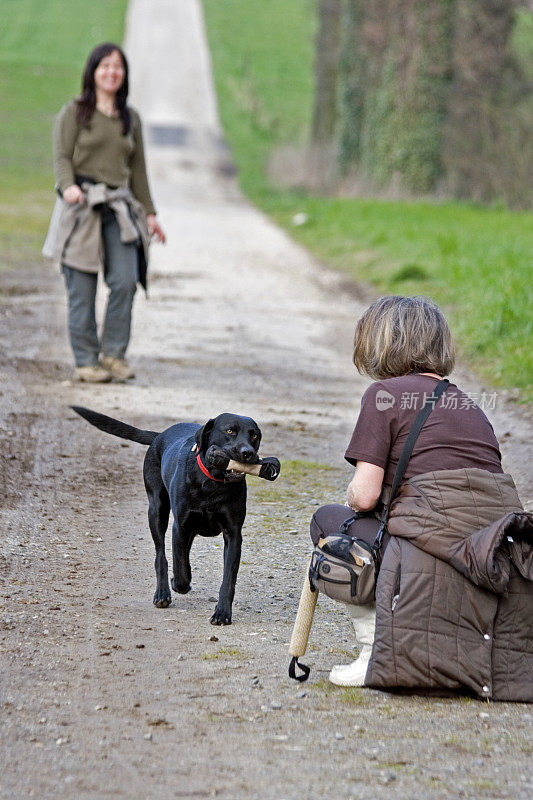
pixel 104 217
pixel 454 597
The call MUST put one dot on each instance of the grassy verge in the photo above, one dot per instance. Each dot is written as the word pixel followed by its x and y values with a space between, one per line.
pixel 43 46
pixel 474 261
pixel 262 55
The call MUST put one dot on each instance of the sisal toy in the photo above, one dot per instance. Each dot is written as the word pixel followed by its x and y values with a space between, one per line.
pixel 302 627
pixel 267 468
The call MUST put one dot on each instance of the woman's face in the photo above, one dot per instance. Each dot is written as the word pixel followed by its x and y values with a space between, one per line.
pixel 109 74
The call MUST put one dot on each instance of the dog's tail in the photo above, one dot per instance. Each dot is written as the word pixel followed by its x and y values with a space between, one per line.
pixel 115 427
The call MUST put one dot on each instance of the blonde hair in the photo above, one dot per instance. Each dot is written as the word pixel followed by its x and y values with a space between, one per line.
pixel 401 335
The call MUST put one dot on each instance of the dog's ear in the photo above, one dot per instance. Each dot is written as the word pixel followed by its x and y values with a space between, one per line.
pixel 202 435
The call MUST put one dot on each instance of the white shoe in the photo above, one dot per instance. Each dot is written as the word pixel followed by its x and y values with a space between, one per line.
pixel 354 674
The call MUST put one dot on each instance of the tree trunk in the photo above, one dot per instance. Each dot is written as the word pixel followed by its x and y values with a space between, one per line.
pixel 432 100
pixel 354 82
pixel 326 71
pixel 485 87
pixel 396 57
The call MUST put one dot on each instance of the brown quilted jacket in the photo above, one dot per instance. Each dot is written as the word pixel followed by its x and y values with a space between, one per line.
pixel 454 597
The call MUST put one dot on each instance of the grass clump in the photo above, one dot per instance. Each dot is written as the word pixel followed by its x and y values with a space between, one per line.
pixel 288 504
pixel 223 652
pixel 351 695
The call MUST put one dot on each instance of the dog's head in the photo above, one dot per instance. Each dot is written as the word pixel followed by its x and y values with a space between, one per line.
pixel 237 436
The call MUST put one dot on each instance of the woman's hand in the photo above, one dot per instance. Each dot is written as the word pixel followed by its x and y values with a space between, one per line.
pixel 73 194
pixel 364 489
pixel 155 230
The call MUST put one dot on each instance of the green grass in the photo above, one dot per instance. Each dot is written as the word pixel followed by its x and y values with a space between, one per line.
pixel 231 652
pixel 350 695
pixel 263 56
pixel 475 261
pixel 299 483
pixel 296 473
pixel 523 40
pixel 43 47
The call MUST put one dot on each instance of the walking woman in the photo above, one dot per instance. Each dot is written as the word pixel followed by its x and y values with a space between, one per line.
pixel 104 216
pixel 454 596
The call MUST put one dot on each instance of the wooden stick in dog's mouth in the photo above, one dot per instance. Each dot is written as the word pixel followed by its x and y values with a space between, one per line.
pixel 267 468
pixel 249 469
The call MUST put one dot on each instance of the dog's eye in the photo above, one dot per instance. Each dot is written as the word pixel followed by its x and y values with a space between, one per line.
pixel 253 437
pixel 230 431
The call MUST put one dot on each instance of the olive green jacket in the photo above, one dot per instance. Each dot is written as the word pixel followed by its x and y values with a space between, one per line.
pixel 101 151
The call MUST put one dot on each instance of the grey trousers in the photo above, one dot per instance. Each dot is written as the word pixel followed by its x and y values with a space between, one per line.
pixel 327 520
pixel 120 274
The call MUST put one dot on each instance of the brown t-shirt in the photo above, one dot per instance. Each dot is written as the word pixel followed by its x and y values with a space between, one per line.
pixel 457 433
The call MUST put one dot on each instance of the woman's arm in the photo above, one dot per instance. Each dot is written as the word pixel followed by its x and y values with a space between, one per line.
pixel 364 489
pixel 64 142
pixel 138 178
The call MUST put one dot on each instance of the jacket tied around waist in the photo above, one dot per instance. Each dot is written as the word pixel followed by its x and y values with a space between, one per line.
pixel 74 236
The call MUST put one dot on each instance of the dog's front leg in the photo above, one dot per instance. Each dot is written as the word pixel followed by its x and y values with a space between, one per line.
pixel 232 560
pixel 158 514
pixel 181 546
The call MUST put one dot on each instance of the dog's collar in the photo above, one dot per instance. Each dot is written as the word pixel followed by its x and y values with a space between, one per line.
pixel 203 467
pixel 206 471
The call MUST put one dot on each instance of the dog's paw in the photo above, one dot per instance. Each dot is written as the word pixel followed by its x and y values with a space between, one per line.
pixel 181 587
pixel 162 598
pixel 221 617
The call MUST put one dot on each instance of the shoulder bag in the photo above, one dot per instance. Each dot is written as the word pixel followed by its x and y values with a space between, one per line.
pixel 345 567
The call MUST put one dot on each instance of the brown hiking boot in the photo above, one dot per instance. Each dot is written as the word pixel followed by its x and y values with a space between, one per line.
pixel 93 373
pixel 117 367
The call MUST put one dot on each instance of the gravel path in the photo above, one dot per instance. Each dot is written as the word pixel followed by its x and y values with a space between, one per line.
pixel 102 695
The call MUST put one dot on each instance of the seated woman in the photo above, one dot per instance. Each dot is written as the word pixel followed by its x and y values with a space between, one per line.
pixel 454 597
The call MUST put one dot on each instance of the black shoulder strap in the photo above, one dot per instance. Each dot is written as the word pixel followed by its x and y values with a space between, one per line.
pixel 405 455
pixel 422 416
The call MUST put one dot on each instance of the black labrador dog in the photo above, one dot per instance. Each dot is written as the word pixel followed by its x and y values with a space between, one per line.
pixel 185 471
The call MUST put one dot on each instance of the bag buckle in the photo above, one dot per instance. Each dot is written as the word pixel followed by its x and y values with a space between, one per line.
pixel 380 534
pixel 347 523
pixel 314 568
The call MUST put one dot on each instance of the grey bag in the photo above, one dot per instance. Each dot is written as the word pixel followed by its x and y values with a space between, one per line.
pixel 344 567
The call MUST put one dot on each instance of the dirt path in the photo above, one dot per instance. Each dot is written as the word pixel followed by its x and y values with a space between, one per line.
pixel 102 695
